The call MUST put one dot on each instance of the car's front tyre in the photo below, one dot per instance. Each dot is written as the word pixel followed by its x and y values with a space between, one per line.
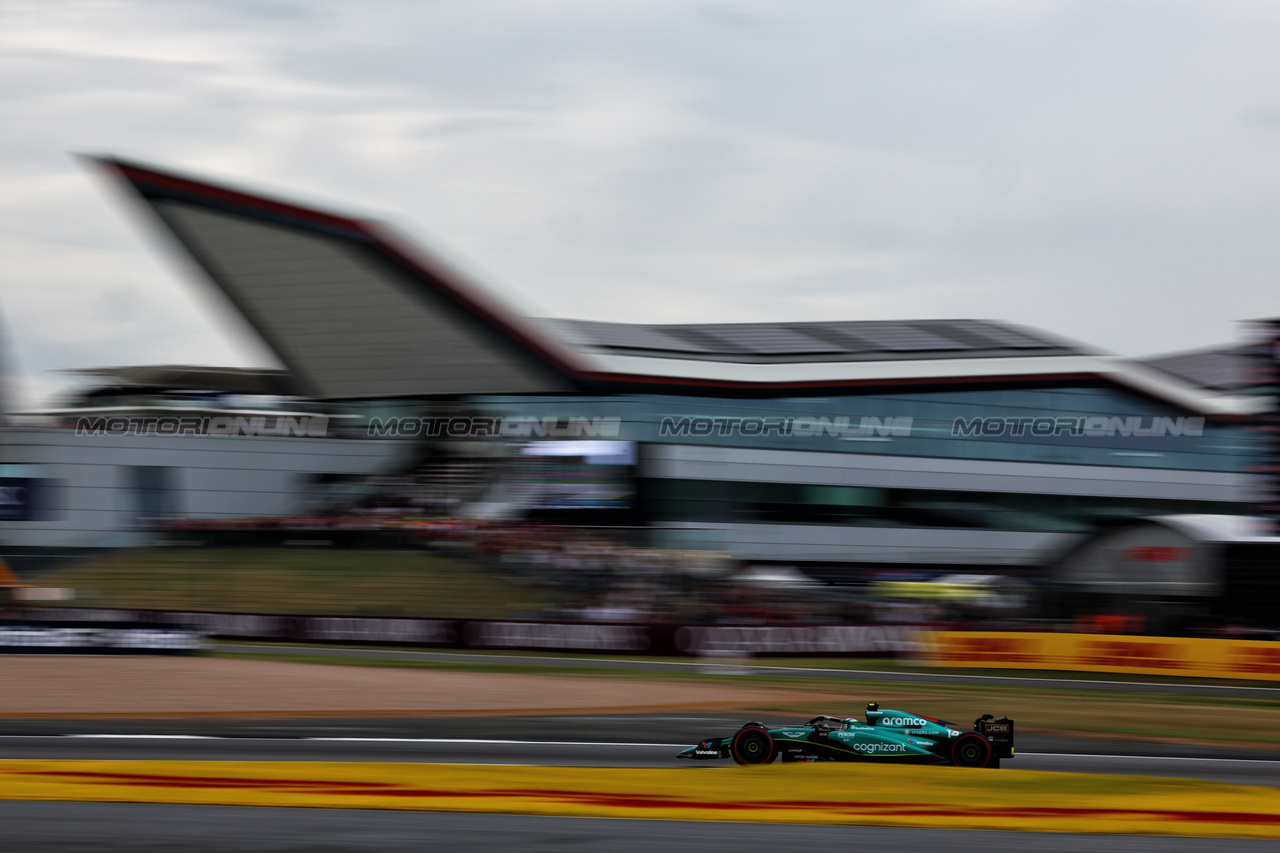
pixel 753 745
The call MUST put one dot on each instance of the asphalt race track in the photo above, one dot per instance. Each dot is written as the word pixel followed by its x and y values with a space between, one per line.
pixel 1235 769
pixel 617 740
pixel 600 740
pixel 44 827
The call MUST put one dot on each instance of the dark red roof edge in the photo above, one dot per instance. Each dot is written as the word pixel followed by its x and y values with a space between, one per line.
pixel 145 179
pixel 150 182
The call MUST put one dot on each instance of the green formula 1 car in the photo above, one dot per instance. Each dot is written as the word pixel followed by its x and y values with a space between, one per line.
pixel 885 736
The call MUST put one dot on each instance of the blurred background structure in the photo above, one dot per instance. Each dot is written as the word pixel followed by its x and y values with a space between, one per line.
pixel 915 471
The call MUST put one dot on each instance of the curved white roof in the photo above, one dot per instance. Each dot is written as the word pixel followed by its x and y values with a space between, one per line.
pixel 356 312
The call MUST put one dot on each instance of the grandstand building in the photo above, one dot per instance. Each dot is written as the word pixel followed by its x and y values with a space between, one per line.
pixel 836 445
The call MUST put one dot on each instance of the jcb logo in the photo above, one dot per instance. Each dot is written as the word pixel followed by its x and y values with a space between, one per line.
pixel 997 729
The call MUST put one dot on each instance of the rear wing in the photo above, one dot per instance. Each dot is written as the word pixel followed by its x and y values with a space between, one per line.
pixel 999 733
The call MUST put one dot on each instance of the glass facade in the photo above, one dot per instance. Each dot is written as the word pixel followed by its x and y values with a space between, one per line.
pixel 1073 426
pixel 1063 426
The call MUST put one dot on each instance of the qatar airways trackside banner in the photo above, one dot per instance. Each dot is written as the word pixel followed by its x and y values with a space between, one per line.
pixel 1257 660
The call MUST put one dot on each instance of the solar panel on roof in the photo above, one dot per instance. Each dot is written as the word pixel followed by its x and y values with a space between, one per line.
pixel 626 336
pixel 705 339
pixel 767 339
pixel 899 337
pixel 964 337
pixel 830 332
pixel 1007 336
pixel 857 340
pixel 648 337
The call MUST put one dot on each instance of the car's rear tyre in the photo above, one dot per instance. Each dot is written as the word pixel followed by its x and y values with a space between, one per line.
pixel 971 750
pixel 753 745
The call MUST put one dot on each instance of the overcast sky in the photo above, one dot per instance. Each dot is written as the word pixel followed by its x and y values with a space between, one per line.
pixel 1107 171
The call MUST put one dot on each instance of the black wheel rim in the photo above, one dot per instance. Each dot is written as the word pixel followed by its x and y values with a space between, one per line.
pixel 755 748
pixel 971 753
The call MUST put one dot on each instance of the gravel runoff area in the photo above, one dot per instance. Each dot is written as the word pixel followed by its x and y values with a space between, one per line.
pixel 157 687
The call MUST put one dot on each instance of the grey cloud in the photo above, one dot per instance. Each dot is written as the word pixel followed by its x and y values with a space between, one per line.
pixel 1102 170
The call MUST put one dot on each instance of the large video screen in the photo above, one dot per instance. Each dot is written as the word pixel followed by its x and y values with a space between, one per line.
pixel 576 475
